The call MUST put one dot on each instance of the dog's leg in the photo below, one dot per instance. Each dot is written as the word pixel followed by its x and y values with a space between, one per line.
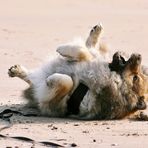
pixel 94 36
pixel 20 72
pixel 78 52
pixel 58 86
pixel 139 115
pixel 74 52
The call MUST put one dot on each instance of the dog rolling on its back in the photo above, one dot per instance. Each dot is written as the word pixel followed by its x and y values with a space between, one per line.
pixel 111 95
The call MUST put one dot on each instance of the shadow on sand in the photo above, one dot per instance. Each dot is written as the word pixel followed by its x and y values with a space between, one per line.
pixel 20 113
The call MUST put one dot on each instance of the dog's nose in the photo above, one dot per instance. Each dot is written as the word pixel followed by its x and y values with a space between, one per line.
pixel 141 105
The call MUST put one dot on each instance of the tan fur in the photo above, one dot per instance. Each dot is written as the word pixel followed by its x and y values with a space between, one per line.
pixel 85 56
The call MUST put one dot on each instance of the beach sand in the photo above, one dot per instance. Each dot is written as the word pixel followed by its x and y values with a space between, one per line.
pixel 30 32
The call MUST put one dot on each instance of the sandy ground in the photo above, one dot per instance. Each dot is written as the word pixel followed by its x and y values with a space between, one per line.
pixel 30 30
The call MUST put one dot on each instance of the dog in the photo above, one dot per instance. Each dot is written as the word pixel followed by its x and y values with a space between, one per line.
pixel 110 94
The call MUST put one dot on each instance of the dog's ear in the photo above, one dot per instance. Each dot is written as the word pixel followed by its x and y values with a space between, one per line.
pixel 133 65
pixel 118 62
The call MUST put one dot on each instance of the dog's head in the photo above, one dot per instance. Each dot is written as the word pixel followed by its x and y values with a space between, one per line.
pixel 135 83
pixel 127 95
pixel 124 92
pixel 131 68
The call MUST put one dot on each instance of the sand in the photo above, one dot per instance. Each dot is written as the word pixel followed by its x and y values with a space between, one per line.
pixel 31 30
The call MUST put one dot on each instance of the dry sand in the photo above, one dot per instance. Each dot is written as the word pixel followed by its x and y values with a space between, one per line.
pixel 30 30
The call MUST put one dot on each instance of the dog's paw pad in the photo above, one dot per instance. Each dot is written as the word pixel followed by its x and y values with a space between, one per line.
pixel 14 71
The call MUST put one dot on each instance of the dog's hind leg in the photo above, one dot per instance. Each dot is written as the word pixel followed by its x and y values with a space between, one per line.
pixel 81 53
pixel 20 72
pixel 74 52
pixel 54 102
pixel 94 36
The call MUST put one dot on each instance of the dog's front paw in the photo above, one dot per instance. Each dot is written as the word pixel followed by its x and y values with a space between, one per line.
pixel 14 71
pixel 96 29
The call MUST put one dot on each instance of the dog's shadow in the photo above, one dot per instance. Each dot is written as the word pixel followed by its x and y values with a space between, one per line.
pixel 22 114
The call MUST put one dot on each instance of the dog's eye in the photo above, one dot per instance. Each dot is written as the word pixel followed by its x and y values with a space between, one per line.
pixel 135 78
